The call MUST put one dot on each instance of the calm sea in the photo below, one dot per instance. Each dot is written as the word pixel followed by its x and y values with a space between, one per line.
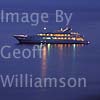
pixel 57 60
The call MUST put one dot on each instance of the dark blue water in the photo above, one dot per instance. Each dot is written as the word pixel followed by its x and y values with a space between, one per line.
pixel 57 60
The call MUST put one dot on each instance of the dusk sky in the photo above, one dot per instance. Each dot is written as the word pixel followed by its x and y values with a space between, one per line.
pixel 49 3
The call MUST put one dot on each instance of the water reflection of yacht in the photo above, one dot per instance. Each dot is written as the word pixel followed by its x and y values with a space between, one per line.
pixel 62 51
pixel 62 36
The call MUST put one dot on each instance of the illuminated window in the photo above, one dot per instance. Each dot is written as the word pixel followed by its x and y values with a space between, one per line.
pixel 48 38
pixel 55 38
pixel 43 34
pixel 65 38
pixel 51 34
pixel 73 38
pixel 69 39
pixel 68 34
pixel 40 34
pixel 59 38
pixel 47 34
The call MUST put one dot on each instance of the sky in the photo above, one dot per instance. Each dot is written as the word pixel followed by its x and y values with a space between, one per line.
pixel 49 3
